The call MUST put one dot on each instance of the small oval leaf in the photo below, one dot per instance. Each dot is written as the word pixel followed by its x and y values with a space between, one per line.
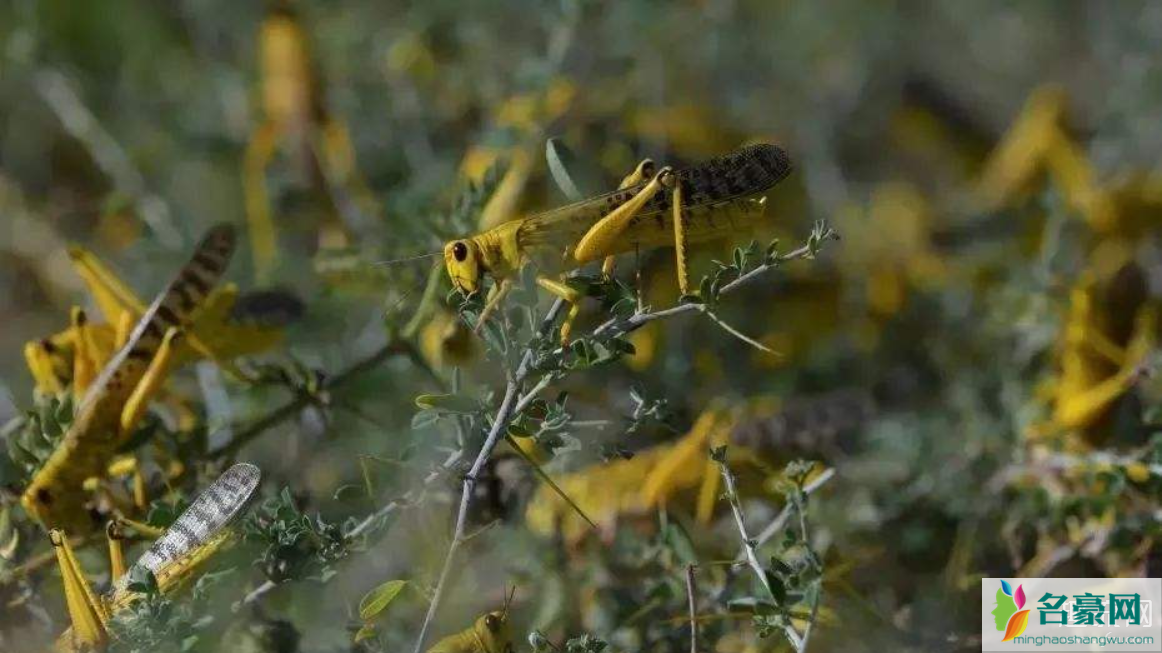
pixel 448 403
pixel 560 159
pixel 379 598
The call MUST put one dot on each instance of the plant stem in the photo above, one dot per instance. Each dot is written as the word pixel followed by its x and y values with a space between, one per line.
pixel 780 521
pixel 301 400
pixel 504 414
pixel 692 606
pixel 748 544
pixel 638 320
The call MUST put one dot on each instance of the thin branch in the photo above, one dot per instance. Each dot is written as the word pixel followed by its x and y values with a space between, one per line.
pixel 774 527
pixel 736 333
pixel 693 608
pixel 780 521
pixel 302 400
pixel 750 549
pixel 532 394
pixel 638 320
pixel 748 544
pixel 802 648
pixel 504 414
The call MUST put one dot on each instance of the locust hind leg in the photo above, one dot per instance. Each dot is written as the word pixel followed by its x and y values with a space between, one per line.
pixel 115 535
pixel 1079 409
pixel 86 610
pixel 601 238
pixel 259 151
pixel 151 382
pixel 42 357
pixel 643 171
pixel 680 241
pixel 85 368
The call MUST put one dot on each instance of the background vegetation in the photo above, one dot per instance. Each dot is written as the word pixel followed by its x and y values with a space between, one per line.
pixel 943 406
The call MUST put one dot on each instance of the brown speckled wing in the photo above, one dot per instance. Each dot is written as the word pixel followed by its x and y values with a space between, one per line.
pixel 745 172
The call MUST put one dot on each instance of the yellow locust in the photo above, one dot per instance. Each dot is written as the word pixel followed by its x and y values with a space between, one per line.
pixel 197 534
pixel 117 398
pixel 71 359
pixel 490 633
pixel 294 115
pixel 650 209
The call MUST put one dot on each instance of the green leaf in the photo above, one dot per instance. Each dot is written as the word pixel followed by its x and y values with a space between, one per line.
pixel 448 403
pixel 378 599
pixel 559 158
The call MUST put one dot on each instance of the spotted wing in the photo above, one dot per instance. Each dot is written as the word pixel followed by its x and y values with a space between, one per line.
pixel 742 173
pixel 202 523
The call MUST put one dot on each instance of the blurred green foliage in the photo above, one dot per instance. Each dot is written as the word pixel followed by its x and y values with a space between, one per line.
pixel 962 304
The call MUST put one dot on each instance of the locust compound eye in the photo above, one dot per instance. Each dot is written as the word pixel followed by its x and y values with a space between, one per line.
pixel 492 622
pixel 460 251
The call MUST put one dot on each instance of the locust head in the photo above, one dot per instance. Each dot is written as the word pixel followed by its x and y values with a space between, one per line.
pixel 462 258
pixel 493 633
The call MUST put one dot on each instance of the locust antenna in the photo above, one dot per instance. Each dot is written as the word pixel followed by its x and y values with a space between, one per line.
pixel 507 602
pixel 407 259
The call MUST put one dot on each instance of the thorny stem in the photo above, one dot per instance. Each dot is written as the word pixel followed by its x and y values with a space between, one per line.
pixel 499 425
pixel 638 320
pixel 749 549
pixel 736 333
pixel 693 608
pixel 802 648
pixel 409 498
pixel 774 528
pixel 777 524
pixel 748 544
pixel 780 521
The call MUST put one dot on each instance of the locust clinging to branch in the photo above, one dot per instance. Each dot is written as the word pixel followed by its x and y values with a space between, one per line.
pixel 651 208
pixel 116 400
